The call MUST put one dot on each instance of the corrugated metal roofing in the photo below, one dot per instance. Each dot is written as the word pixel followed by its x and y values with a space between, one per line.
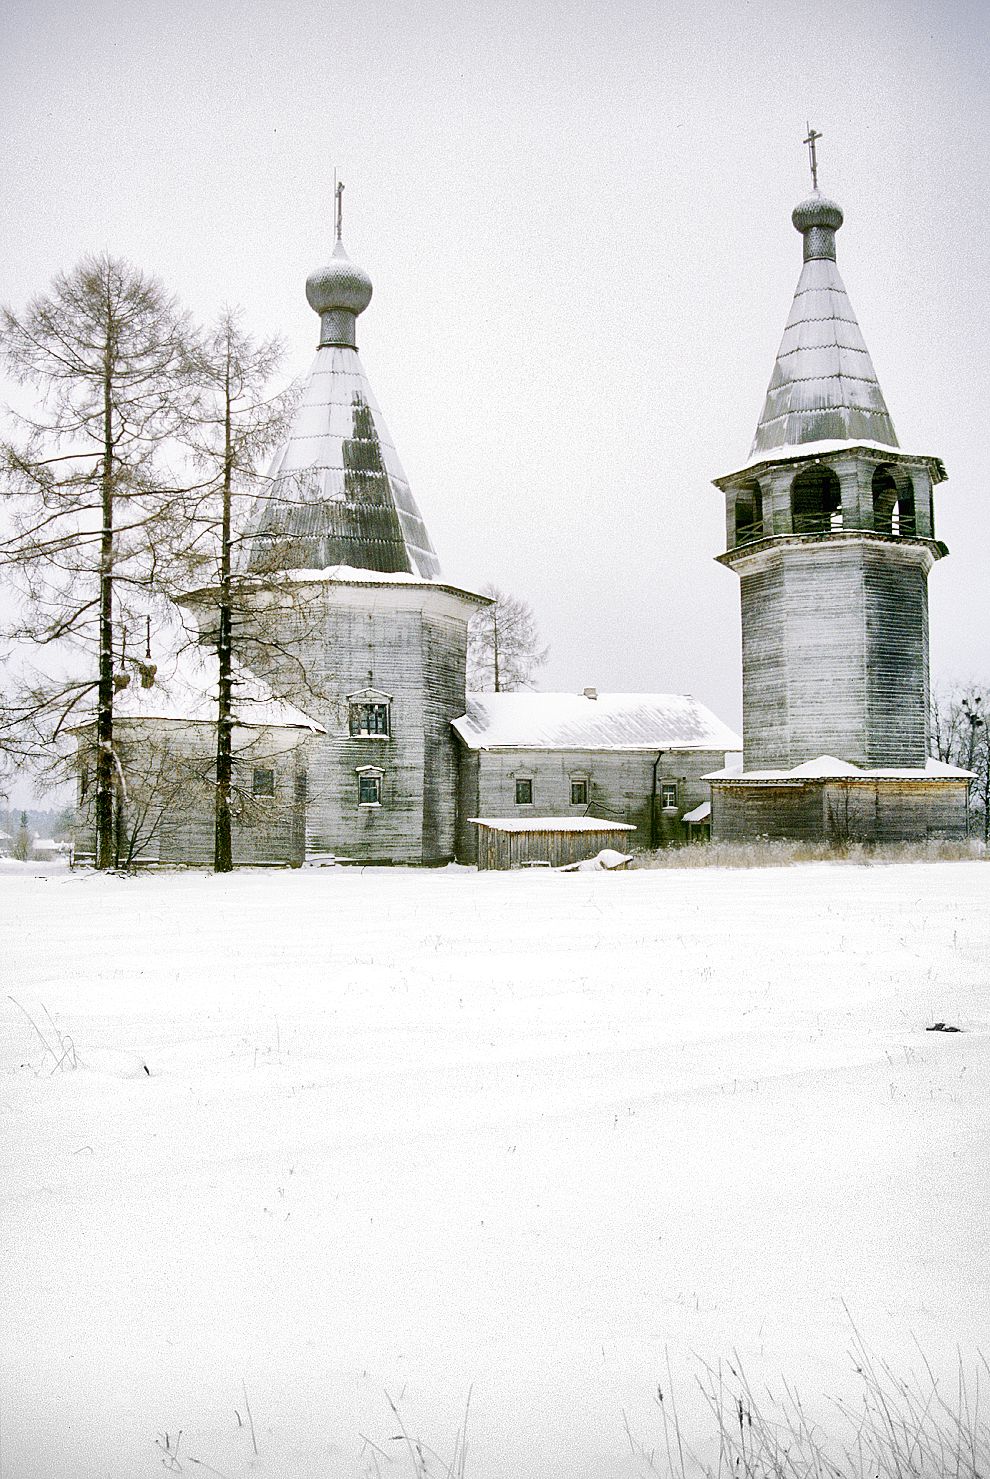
pixel 823 384
pixel 612 721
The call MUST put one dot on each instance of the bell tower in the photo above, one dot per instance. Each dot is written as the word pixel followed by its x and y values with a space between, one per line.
pixel 830 527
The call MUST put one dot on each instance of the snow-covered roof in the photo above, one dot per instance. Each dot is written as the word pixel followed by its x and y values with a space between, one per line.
pixel 186 688
pixel 612 721
pixel 551 824
pixel 352 575
pixel 794 452
pixel 700 814
pixel 827 767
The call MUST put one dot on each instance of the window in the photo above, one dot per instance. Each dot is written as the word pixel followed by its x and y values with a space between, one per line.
pixel 668 794
pixel 83 781
pixel 263 783
pixel 579 792
pixel 369 717
pixel 370 790
pixel 524 791
pixel 370 785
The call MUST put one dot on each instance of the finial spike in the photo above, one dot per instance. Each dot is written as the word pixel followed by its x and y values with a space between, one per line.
pixel 811 140
pixel 338 191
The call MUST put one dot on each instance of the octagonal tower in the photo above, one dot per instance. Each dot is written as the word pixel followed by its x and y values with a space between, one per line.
pixel 831 529
pixel 342 610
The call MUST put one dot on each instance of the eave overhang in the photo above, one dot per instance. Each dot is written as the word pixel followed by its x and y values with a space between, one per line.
pixel 828 451
pixel 740 554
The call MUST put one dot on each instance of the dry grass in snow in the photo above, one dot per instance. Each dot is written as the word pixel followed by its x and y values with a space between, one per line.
pixel 276 1145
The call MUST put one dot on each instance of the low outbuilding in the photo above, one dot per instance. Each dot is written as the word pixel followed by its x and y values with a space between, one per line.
pixel 635 758
pixel 552 842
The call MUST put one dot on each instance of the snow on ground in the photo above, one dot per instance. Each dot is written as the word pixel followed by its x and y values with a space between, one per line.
pixel 529 1134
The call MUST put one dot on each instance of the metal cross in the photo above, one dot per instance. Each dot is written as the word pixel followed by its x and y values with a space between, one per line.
pixel 811 141
pixel 338 190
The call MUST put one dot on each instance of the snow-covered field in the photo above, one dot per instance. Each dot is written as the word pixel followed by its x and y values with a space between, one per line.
pixel 336 1133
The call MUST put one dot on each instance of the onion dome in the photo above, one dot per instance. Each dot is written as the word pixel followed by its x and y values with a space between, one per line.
pixel 338 293
pixel 818 219
pixel 824 386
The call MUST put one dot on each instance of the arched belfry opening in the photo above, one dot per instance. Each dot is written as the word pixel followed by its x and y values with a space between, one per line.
pixel 749 513
pixel 816 500
pixel 893 501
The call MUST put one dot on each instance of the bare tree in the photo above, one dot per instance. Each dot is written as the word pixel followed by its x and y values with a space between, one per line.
pixel 238 419
pixel 504 646
pixel 107 351
pixel 960 731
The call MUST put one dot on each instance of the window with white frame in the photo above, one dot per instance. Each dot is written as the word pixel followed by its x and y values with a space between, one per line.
pixel 369 714
pixel 370 785
pixel 668 794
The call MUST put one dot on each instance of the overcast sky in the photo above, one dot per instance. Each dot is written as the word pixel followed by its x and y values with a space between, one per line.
pixel 577 220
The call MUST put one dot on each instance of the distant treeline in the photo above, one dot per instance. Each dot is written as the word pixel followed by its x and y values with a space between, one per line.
pixel 39 823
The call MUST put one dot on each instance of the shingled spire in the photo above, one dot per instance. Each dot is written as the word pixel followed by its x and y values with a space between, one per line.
pixel 338 494
pixel 823 386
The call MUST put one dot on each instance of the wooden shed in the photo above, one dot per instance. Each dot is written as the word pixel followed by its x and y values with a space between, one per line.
pixel 553 841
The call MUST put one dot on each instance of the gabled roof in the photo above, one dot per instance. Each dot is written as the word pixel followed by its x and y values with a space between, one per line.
pixel 612 721
pixel 823 385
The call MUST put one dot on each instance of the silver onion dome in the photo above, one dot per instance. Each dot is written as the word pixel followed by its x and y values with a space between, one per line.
pixel 338 292
pixel 818 219
pixel 817 210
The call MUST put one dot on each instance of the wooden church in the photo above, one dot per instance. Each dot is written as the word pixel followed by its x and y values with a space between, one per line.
pixel 355 738
pixel 830 527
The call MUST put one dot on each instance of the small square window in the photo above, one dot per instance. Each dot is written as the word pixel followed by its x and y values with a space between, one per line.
pixel 370 790
pixel 370 719
pixel 524 791
pixel 579 793
pixel 668 794
pixel 263 783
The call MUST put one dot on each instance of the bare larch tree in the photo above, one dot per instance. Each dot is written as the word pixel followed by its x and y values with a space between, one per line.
pixel 238 420
pixel 504 646
pixel 86 495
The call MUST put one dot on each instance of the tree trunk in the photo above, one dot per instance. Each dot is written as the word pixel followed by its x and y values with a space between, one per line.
pixel 105 838
pixel 223 860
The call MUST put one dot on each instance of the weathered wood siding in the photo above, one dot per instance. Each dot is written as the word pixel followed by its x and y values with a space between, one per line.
pixel 619 788
pixel 840 811
pixel 468 769
pixel 503 850
pixel 332 640
pixel 444 676
pixel 835 654
pixel 743 813
pixel 173 812
pixel 897 702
